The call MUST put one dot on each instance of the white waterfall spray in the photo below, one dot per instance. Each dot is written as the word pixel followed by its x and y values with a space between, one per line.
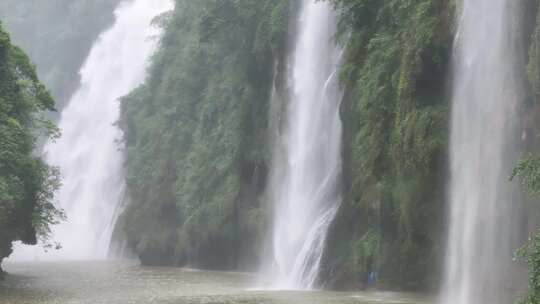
pixel 307 163
pixel 89 153
pixel 486 98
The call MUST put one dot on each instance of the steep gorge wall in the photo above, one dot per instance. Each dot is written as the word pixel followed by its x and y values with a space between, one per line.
pixel 197 138
pixel 395 116
pixel 397 78
pixel 196 135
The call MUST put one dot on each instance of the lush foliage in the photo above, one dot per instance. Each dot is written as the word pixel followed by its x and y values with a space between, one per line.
pixel 531 254
pixel 57 35
pixel 528 171
pixel 195 135
pixel 395 121
pixel 26 183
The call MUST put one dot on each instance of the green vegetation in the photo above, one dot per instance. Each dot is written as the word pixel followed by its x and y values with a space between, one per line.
pixel 26 183
pixel 197 157
pixel 528 171
pixel 531 254
pixel 197 138
pixel 395 117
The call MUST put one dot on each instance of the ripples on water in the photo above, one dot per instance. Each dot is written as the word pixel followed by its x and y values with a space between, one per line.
pixel 128 283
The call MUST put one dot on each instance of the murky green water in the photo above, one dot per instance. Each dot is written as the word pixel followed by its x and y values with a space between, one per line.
pixel 115 283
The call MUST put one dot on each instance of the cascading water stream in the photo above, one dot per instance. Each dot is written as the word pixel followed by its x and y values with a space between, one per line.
pixel 307 163
pixel 486 98
pixel 89 152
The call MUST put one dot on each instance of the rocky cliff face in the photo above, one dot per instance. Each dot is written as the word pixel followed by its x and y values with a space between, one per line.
pixel 197 138
pixel 395 117
pixel 196 134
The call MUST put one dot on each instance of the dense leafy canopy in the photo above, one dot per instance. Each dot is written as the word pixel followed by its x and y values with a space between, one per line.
pixel 197 135
pixel 26 183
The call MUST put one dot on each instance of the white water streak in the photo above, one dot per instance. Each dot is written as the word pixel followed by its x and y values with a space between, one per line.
pixel 307 161
pixel 89 152
pixel 486 97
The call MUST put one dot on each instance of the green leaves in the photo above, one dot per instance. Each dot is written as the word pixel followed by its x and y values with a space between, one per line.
pixel 395 123
pixel 195 131
pixel 530 253
pixel 27 185
pixel 528 171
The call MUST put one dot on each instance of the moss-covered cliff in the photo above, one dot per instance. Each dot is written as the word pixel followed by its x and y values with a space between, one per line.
pixel 197 139
pixel 395 115
pixel 528 170
pixel 197 152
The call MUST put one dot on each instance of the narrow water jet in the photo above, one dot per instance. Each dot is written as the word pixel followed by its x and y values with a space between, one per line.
pixel 89 152
pixel 487 94
pixel 306 170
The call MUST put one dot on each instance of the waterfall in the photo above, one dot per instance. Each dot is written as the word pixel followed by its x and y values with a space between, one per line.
pixel 306 166
pixel 486 98
pixel 89 152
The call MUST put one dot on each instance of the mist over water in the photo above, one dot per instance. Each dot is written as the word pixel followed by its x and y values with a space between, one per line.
pixel 486 98
pixel 124 282
pixel 89 152
pixel 306 168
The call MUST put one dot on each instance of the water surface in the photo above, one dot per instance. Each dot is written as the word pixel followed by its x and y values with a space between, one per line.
pixel 126 282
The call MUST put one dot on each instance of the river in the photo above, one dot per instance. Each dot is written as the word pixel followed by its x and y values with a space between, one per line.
pixel 127 282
